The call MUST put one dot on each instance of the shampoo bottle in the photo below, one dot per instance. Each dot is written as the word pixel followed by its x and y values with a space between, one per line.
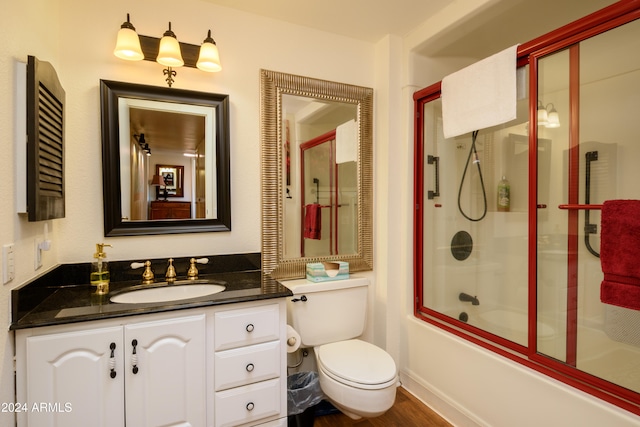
pixel 504 195
pixel 100 270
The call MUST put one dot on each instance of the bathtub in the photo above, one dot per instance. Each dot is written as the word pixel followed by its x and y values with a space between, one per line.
pixel 514 321
pixel 597 353
pixel 605 358
pixel 509 324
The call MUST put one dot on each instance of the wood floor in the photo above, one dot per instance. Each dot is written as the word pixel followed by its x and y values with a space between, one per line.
pixel 406 412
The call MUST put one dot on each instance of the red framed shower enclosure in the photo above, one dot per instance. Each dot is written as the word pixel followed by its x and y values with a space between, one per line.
pixel 528 54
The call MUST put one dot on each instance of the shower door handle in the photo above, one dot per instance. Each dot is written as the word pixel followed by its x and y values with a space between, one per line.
pixel 432 160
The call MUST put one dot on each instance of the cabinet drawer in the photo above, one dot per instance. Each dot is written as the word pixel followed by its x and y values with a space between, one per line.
pixel 236 328
pixel 248 403
pixel 247 365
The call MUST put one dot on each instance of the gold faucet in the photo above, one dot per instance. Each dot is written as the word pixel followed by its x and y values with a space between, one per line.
pixel 192 273
pixel 170 275
pixel 147 276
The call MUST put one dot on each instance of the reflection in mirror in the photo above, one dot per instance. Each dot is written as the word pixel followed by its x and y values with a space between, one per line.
pixel 321 177
pixel 165 160
pixel 316 139
pixel 170 181
pixel 167 132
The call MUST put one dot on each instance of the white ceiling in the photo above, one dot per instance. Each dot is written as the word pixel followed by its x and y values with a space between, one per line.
pixel 367 20
pixel 499 25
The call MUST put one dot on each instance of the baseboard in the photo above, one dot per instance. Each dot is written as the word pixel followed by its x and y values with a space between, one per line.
pixel 437 401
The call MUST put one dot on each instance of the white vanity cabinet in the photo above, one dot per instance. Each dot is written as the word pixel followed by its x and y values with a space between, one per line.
pixel 216 366
pixel 164 367
pixel 88 377
pixel 249 365
pixel 71 371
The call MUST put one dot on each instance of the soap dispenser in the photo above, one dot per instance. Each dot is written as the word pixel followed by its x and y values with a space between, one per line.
pixel 100 270
pixel 504 195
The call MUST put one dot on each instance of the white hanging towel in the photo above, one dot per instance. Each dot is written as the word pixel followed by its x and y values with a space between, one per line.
pixel 347 142
pixel 481 95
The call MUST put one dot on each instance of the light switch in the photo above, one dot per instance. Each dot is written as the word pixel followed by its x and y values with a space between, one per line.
pixel 8 264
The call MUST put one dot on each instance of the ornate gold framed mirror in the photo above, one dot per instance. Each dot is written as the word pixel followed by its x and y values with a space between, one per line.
pixel 317 173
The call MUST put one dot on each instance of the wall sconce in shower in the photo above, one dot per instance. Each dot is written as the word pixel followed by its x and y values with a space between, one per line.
pixel 167 51
pixel 548 116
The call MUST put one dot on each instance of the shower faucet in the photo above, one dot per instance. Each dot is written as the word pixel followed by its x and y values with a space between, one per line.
pixel 468 298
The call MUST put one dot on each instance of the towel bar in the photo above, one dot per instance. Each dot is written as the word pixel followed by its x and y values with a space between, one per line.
pixel 578 206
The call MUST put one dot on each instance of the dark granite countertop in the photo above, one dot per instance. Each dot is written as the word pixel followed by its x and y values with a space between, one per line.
pixel 64 295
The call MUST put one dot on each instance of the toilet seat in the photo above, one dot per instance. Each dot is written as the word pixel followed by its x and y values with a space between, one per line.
pixel 357 363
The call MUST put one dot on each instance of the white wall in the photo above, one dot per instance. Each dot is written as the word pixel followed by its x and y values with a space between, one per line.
pixel 78 38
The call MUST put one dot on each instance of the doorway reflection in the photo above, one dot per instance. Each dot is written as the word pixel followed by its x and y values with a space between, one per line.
pixel 329 199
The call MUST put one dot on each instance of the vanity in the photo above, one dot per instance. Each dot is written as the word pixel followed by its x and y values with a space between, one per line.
pixel 215 360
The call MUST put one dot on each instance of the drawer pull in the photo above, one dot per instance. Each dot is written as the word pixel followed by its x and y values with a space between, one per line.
pixel 250 327
pixel 134 357
pixel 112 361
pixel 250 367
pixel 250 406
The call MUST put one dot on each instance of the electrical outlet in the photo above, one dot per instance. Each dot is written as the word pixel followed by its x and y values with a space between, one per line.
pixel 8 264
pixel 37 255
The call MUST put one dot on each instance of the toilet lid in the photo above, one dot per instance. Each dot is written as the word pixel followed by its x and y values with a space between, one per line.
pixel 357 361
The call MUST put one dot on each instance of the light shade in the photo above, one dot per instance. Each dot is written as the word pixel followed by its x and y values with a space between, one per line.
pixel 157 180
pixel 543 118
pixel 128 43
pixel 209 58
pixel 169 53
pixel 553 118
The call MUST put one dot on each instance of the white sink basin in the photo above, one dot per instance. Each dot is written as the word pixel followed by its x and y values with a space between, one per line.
pixel 166 293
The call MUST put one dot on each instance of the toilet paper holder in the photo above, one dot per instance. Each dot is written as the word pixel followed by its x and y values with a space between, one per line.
pixel 293 340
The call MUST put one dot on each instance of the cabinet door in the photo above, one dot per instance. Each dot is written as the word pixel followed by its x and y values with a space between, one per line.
pixel 70 381
pixel 165 372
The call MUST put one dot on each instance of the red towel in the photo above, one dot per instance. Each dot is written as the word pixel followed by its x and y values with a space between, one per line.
pixel 312 222
pixel 620 253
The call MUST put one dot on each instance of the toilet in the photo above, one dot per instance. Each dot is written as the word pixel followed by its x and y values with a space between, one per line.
pixel 357 377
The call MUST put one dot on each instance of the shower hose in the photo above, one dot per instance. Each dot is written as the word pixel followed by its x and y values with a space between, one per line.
pixel 476 160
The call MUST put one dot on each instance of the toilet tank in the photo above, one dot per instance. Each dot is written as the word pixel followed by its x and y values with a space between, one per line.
pixel 330 311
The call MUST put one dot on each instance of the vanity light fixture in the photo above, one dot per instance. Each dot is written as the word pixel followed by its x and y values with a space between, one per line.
pixel 143 143
pixel 548 116
pixel 209 58
pixel 554 118
pixel 128 43
pixel 167 51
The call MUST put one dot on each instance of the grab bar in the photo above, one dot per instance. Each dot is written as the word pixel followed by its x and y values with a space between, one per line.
pixel 580 207
pixel 434 160
pixel 589 228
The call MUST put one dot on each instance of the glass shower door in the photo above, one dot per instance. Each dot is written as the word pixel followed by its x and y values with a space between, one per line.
pixel 475 249
pixel 595 87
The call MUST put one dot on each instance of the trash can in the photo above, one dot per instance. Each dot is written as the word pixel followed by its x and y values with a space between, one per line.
pixel 303 393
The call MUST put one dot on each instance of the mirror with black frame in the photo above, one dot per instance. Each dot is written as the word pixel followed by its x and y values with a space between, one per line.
pixel 317 173
pixel 165 159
